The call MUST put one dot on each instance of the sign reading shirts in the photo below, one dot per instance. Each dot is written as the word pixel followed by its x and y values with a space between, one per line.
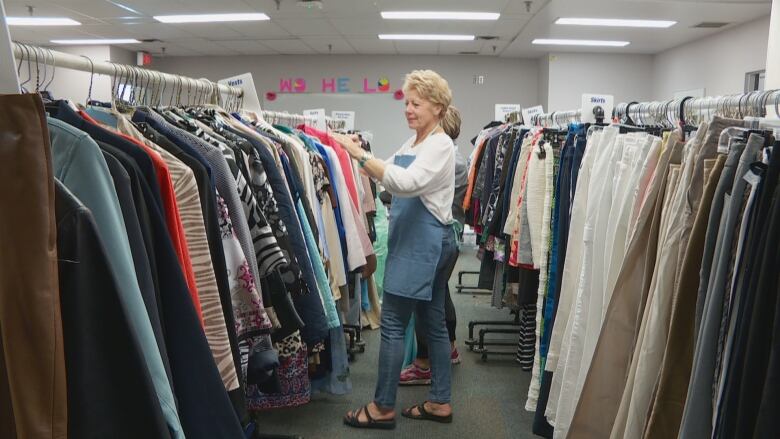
pixel 341 84
pixel 591 101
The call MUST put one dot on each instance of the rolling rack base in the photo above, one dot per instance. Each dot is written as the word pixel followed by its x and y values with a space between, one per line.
pixel 460 288
pixel 356 343
pixel 498 327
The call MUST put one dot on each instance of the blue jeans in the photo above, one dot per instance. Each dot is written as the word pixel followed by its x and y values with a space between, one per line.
pixel 396 312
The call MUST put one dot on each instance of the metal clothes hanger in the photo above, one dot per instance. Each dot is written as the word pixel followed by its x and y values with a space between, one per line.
pixel 45 70
pixel 29 69
pixel 37 70
pixel 91 78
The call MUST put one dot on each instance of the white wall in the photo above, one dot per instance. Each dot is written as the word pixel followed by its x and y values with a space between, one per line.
pixel 506 81
pixel 626 77
pixel 773 49
pixel 544 82
pixel 717 63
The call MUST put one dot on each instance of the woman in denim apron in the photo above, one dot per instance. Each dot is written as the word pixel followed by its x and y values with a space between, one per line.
pixel 421 247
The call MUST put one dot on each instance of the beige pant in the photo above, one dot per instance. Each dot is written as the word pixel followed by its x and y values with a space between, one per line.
pixel 600 397
pixel 33 398
pixel 667 409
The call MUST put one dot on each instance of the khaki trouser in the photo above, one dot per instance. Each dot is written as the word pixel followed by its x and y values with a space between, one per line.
pixel 600 398
pixel 32 358
pixel 667 409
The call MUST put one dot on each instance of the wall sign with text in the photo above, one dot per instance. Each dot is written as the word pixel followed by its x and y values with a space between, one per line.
pixel 347 116
pixel 530 112
pixel 341 84
pixel 502 110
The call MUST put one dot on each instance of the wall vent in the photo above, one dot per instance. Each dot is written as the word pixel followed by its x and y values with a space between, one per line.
pixel 710 25
pixel 468 53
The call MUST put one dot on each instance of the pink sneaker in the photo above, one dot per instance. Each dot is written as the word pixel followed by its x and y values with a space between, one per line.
pixel 413 375
pixel 455 356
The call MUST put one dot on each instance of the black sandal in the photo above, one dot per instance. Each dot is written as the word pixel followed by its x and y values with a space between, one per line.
pixel 371 423
pixel 424 415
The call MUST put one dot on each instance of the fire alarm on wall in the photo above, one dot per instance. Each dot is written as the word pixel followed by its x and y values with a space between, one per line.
pixel 143 58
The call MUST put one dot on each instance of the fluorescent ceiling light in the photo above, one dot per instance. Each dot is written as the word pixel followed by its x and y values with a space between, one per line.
pixel 615 22
pixel 125 7
pixel 210 18
pixel 41 21
pixel 97 41
pixel 441 15
pixel 563 42
pixel 428 37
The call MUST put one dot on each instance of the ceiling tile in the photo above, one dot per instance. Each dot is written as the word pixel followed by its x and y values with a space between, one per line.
pixel 487 48
pixel 519 8
pixel 349 27
pixel 307 27
pixel 506 28
pixel 418 47
pixel 290 9
pixel 338 45
pixel 205 46
pixel 456 47
pixel 368 46
pixel 175 7
pixel 158 31
pixel 451 5
pixel 289 47
pixel 247 47
pixel 260 29
pixel 174 51
pixel 209 31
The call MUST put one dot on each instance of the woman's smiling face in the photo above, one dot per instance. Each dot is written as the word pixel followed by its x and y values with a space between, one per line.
pixel 420 112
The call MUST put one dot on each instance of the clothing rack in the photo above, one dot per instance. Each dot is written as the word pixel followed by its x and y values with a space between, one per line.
pixel 290 119
pixel 556 118
pixel 686 110
pixel 199 89
pixel 693 111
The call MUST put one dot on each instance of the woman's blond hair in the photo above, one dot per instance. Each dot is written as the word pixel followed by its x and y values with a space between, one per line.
pixel 431 87
pixel 451 122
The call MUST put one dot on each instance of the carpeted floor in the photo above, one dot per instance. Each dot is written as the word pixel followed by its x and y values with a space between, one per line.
pixel 488 397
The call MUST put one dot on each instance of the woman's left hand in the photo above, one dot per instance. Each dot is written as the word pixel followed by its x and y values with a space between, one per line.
pixel 352 144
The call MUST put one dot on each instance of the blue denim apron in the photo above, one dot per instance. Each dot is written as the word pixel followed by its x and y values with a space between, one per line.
pixel 414 245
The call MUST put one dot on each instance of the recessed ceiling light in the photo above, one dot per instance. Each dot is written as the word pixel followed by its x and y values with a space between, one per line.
pixel 41 21
pixel 97 41
pixel 210 18
pixel 430 37
pixel 440 15
pixel 615 22
pixel 564 42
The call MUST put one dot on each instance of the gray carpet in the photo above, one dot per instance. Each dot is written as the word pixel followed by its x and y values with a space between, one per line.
pixel 488 397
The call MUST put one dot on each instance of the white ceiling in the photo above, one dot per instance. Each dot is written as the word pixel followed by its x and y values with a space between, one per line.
pixel 351 26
